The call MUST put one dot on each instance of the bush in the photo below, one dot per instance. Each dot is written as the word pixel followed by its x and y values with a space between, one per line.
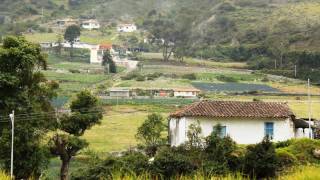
pixel 226 6
pixel 131 163
pixel 220 157
pixel 130 76
pixel 303 149
pixel 285 159
pixel 74 71
pixel 190 76
pixel 140 78
pixel 224 78
pixel 282 144
pixel 169 163
pixel 260 160
pixel 153 76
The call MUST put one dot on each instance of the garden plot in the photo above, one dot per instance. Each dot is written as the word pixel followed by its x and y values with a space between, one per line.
pixel 233 87
pixel 74 82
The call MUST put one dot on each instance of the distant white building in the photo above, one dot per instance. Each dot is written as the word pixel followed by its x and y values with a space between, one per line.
pixel 90 24
pixel 127 28
pixel 186 93
pixel 244 122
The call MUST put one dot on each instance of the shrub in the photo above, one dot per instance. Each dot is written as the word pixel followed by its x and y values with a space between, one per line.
pixel 219 151
pixel 74 71
pixel 169 163
pixel 140 78
pixel 282 144
pixel 153 76
pixel 225 78
pixel 260 160
pixel 134 162
pixel 303 149
pixel 190 76
pixel 131 163
pixel 130 76
pixel 285 159
pixel 226 6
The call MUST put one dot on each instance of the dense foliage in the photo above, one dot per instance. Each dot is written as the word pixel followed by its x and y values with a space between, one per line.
pixel 217 156
pixel 24 88
pixel 66 142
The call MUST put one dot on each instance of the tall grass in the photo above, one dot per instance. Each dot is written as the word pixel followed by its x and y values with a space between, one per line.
pixel 4 176
pixel 197 176
pixel 310 172
pixel 303 173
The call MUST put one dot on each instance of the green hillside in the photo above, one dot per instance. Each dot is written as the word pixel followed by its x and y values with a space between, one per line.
pixel 265 33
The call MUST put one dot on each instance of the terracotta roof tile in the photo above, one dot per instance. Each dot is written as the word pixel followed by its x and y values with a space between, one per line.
pixel 235 109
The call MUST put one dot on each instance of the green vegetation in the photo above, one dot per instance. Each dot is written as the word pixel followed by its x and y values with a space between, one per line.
pixel 25 90
pixel 4 176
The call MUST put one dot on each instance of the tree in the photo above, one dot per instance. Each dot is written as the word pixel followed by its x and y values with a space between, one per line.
pixel 194 136
pixel 149 133
pixel 108 63
pixel 24 88
pixel 59 42
pixel 71 34
pixel 168 33
pixel 219 152
pixel 260 160
pixel 85 113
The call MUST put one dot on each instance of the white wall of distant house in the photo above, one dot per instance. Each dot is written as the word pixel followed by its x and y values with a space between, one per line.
pixel 127 28
pixel 242 131
pixel 90 25
pixel 185 94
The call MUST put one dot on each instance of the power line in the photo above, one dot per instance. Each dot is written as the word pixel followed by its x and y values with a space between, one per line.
pixel 26 117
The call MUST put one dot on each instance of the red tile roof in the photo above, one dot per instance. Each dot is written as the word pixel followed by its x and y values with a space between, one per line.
pixel 105 46
pixel 235 109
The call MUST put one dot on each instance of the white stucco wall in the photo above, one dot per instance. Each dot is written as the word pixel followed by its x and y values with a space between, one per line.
pixel 90 25
pixel 242 131
pixel 184 94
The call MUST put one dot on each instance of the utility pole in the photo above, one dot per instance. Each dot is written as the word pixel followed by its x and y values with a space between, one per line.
pixel 295 71
pixel 309 109
pixel 12 138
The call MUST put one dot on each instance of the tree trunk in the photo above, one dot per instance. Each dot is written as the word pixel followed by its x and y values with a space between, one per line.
pixel 71 50
pixel 64 169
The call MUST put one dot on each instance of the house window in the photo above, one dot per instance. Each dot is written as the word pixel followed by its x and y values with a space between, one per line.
pixel 223 132
pixel 268 129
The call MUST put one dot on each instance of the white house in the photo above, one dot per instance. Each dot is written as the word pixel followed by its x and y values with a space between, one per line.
pixel 90 24
pixel 186 93
pixel 127 28
pixel 244 122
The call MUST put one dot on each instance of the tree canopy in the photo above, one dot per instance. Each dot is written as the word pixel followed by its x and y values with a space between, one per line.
pixel 24 88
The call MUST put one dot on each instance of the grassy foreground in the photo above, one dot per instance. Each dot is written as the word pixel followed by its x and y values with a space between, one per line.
pixel 299 173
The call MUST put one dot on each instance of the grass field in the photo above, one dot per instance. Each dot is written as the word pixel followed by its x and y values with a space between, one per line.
pixel 194 62
pixel 90 37
pixel 157 83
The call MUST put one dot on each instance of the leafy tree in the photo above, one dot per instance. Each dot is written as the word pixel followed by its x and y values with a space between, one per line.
pixel 194 136
pixel 71 34
pixel 219 152
pixel 260 160
pixel 85 113
pixel 24 88
pixel 168 33
pixel 108 63
pixel 149 133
